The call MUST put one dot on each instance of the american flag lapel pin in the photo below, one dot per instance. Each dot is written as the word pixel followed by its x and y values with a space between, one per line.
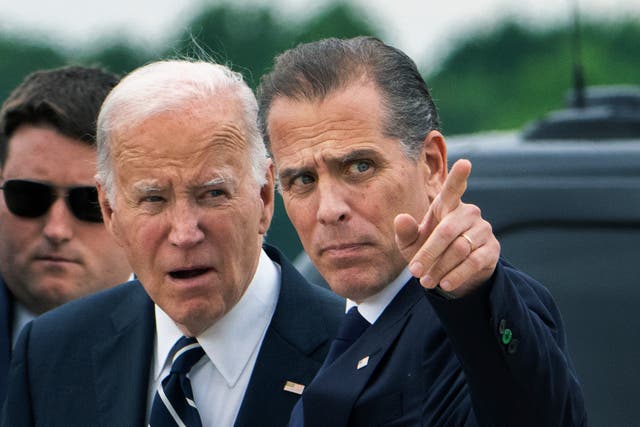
pixel 293 387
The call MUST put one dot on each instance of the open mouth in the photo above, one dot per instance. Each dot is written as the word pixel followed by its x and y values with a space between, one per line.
pixel 188 274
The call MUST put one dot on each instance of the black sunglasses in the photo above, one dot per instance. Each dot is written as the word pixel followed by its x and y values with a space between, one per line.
pixel 30 199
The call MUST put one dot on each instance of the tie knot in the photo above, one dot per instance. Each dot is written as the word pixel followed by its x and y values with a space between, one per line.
pixel 186 353
pixel 352 326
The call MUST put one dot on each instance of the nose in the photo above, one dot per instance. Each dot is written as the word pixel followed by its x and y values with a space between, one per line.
pixel 185 226
pixel 333 207
pixel 59 223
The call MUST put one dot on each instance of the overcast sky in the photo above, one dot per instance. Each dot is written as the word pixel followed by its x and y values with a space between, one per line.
pixel 422 28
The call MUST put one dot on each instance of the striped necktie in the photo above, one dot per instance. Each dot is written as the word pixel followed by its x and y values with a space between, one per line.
pixel 173 403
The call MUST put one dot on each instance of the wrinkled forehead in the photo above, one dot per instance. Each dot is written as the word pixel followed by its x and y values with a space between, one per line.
pixel 183 126
pixel 125 117
pixel 185 142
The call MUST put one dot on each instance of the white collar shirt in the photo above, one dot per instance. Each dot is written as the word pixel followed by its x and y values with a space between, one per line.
pixel 371 308
pixel 21 316
pixel 219 380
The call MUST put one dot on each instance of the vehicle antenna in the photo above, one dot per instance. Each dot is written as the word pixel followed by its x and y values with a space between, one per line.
pixel 578 100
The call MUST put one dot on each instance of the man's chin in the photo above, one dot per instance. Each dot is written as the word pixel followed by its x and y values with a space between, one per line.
pixel 196 315
pixel 355 284
pixel 51 294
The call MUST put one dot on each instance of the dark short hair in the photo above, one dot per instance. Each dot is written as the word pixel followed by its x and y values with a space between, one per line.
pixel 313 71
pixel 67 99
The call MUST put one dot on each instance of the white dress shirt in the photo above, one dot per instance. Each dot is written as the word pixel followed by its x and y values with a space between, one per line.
pixel 220 379
pixel 371 308
pixel 21 316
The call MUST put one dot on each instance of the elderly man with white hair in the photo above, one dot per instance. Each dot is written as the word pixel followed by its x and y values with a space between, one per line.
pixel 218 329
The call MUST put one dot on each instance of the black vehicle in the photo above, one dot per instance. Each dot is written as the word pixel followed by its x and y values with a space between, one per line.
pixel 563 197
pixel 564 200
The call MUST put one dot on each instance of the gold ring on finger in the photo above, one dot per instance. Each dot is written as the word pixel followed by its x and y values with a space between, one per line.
pixel 468 239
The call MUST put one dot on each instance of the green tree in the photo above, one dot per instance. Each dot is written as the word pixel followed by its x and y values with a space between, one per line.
pixel 19 57
pixel 248 39
pixel 244 39
pixel 513 74
pixel 337 20
pixel 116 56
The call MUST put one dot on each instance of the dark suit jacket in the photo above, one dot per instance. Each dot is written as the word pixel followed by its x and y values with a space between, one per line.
pixel 6 332
pixel 438 362
pixel 88 362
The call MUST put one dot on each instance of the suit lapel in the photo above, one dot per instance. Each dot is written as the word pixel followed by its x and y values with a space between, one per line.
pixel 331 397
pixel 122 362
pixel 292 350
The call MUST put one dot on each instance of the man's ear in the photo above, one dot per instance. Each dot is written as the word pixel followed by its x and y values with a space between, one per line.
pixel 267 198
pixel 107 213
pixel 434 157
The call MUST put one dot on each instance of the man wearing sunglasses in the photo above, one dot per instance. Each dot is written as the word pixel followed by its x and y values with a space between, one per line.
pixel 218 329
pixel 53 245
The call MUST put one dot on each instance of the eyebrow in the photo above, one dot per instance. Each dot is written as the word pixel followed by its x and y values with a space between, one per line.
pixel 225 177
pixel 152 186
pixel 363 153
pixel 146 186
pixel 215 181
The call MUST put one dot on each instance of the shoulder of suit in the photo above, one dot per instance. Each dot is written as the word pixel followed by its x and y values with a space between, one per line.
pixel 95 305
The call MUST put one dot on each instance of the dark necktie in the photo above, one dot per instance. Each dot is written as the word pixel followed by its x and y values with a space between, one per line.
pixel 173 403
pixel 353 325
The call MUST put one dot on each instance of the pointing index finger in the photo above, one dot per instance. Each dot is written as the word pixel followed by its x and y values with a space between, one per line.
pixel 454 186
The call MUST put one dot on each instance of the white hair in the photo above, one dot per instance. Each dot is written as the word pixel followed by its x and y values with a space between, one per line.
pixel 165 86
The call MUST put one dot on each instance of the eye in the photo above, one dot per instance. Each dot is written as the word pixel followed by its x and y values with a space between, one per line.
pixel 302 180
pixel 359 167
pixel 153 199
pixel 213 196
pixel 151 203
pixel 214 193
pixel 297 183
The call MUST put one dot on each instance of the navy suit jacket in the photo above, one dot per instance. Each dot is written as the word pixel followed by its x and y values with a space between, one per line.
pixel 88 362
pixel 6 332
pixel 428 361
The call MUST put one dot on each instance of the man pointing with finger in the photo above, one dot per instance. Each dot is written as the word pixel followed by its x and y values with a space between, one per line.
pixel 439 331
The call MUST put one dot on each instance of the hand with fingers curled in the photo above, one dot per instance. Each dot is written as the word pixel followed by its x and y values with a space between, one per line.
pixel 453 247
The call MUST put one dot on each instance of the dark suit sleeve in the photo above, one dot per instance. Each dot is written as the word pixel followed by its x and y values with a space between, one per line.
pixel 510 340
pixel 17 407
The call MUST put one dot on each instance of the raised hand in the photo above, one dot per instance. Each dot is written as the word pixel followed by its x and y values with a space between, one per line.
pixel 453 246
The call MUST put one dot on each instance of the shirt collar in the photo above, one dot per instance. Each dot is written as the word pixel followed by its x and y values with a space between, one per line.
pixel 372 307
pixel 230 342
pixel 21 316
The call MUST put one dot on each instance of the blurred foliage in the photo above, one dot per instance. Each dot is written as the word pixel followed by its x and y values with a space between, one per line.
pixel 245 39
pixel 339 20
pixel 505 78
pixel 117 56
pixel 248 39
pixel 19 57
pixel 497 80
